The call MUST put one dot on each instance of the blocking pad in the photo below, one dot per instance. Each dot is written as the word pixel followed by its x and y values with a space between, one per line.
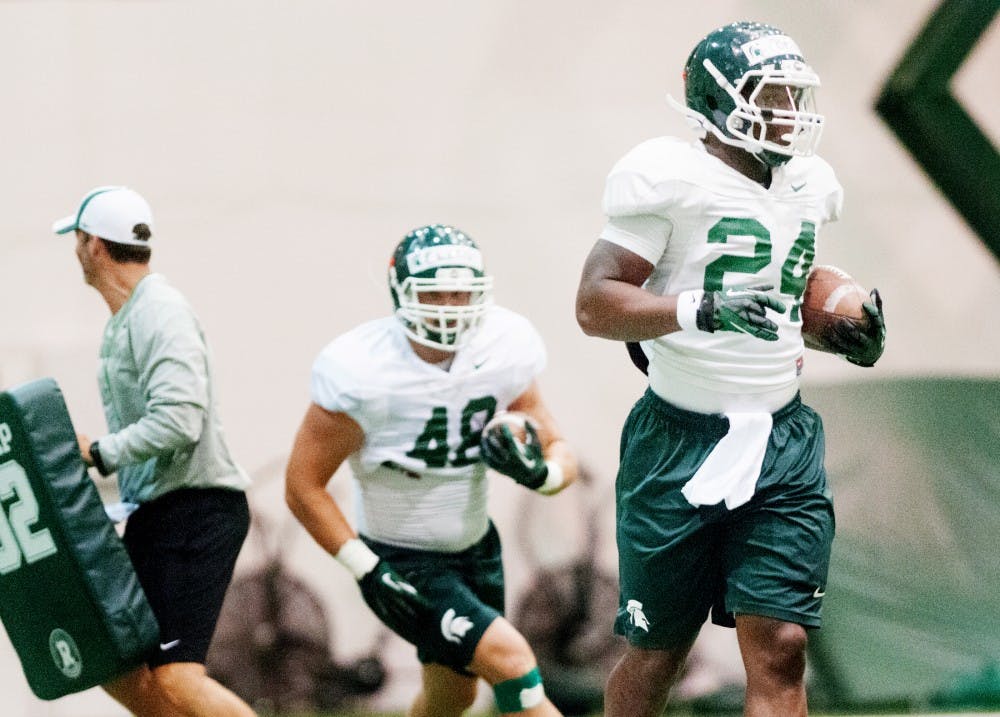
pixel 69 598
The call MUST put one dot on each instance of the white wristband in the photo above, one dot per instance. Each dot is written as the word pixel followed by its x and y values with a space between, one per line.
pixel 687 309
pixel 357 557
pixel 553 480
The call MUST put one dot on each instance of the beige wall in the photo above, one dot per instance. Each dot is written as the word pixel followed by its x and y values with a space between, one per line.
pixel 287 145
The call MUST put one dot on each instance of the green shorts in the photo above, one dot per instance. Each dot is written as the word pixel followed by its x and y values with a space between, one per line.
pixel 768 557
pixel 466 589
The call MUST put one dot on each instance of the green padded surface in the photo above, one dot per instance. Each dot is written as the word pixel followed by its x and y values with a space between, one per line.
pixel 69 598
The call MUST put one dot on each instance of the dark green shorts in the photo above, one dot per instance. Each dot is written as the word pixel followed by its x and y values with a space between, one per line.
pixel 466 589
pixel 767 557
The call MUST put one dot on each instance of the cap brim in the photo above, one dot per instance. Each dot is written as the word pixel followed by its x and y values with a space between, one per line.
pixel 64 225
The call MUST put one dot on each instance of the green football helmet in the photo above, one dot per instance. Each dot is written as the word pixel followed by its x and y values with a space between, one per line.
pixel 439 258
pixel 724 78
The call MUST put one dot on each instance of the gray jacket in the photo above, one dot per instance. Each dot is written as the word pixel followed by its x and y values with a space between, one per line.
pixel 155 380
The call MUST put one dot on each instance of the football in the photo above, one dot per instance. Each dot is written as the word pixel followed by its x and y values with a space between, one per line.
pixel 514 419
pixel 830 296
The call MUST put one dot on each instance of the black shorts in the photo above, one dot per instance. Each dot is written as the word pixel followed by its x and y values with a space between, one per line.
pixel 184 545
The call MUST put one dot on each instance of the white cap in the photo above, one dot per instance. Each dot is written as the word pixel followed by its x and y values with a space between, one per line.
pixel 110 213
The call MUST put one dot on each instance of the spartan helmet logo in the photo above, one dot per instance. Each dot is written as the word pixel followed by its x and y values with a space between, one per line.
pixel 65 653
pixel 454 626
pixel 636 616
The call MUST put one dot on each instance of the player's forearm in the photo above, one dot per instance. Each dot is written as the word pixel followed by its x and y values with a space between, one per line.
pixel 319 514
pixel 560 453
pixel 619 311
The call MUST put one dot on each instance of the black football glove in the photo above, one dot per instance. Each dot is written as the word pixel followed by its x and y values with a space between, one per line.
pixel 740 310
pixel 524 463
pixel 861 345
pixel 396 602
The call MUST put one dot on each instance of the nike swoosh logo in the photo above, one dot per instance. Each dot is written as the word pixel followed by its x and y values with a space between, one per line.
pixel 168 645
pixel 819 592
pixel 399 587
pixel 797 187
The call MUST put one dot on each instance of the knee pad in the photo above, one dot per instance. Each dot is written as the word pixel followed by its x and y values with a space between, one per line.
pixel 521 693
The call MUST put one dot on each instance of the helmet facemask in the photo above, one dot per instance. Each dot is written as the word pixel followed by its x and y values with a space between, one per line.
pixel 745 78
pixel 442 260
pixel 795 116
pixel 446 327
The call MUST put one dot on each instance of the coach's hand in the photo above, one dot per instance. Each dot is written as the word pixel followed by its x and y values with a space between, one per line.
pixel 742 310
pixel 523 462
pixel 862 346
pixel 390 596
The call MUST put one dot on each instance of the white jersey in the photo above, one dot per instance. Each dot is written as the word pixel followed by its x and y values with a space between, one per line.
pixel 703 225
pixel 420 482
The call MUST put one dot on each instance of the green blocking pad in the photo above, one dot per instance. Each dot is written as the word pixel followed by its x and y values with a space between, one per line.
pixel 69 598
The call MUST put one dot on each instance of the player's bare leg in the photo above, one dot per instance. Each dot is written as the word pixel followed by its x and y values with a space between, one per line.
pixel 640 683
pixel 774 654
pixel 137 692
pixel 503 654
pixel 445 693
pixel 194 694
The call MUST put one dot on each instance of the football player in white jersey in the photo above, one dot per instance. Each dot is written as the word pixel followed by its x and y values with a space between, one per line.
pixel 404 400
pixel 722 499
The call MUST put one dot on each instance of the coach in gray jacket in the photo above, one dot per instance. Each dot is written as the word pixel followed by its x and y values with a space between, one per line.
pixel 166 445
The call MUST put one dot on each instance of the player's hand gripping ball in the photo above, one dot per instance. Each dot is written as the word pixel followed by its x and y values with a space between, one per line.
pixel 510 445
pixel 839 316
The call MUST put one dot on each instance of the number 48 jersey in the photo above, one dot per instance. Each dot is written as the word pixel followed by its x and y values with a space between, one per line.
pixel 703 225
pixel 420 482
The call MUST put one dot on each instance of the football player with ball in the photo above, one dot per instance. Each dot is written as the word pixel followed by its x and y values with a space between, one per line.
pixel 419 403
pixel 722 501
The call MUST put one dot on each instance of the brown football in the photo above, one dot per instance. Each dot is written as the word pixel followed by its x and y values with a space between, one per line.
pixel 515 420
pixel 830 296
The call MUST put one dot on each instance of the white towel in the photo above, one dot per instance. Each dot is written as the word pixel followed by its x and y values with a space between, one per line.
pixel 117 512
pixel 731 470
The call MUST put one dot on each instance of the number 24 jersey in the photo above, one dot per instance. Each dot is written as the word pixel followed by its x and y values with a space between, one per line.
pixel 703 225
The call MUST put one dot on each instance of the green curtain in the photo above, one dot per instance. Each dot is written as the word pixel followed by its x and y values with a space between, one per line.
pixel 912 610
